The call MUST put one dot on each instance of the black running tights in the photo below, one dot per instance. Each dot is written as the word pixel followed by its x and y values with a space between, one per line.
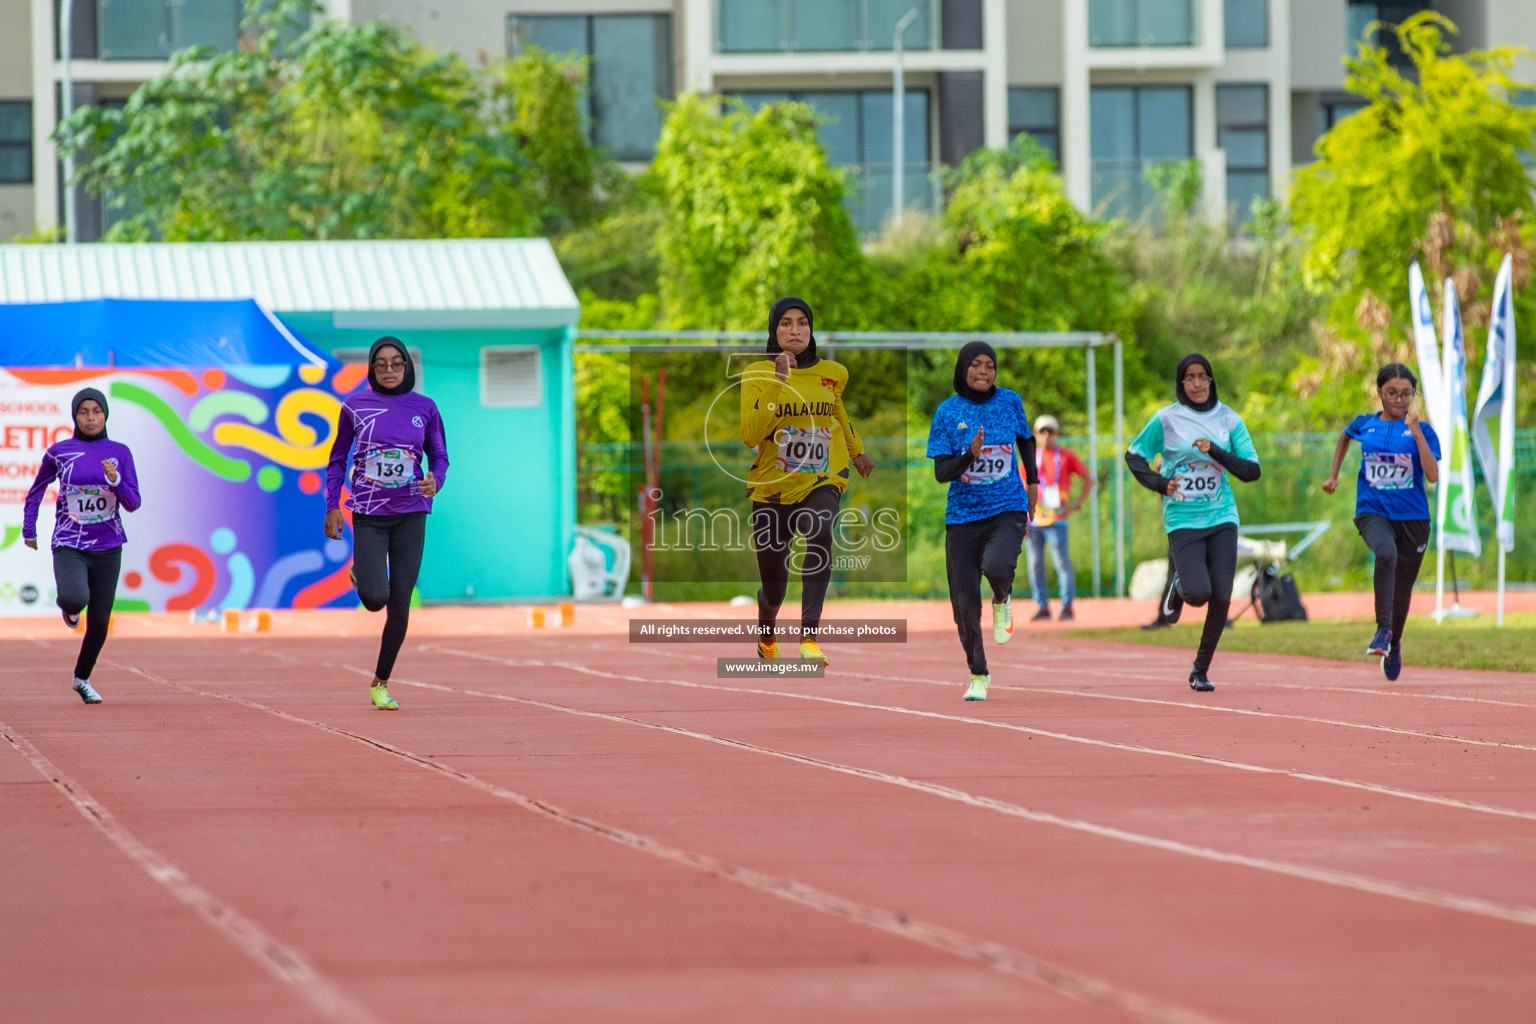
pixel 987 547
pixel 774 528
pixel 1399 546
pixel 88 579
pixel 1206 561
pixel 386 556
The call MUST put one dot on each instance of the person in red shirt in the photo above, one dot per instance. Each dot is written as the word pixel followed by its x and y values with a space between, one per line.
pixel 1057 467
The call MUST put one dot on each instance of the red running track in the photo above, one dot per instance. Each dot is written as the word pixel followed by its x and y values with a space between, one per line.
pixel 564 827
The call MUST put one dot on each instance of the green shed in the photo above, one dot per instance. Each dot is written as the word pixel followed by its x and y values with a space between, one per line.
pixel 491 323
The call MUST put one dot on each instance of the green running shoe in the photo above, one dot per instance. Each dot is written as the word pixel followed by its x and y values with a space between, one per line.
pixel 1002 621
pixel 978 688
pixel 381 698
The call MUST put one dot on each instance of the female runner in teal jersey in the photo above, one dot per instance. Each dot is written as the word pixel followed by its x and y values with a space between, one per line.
pixel 1201 441
pixel 1397 455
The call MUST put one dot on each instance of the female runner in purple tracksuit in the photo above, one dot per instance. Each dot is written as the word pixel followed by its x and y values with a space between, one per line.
pixel 386 430
pixel 97 483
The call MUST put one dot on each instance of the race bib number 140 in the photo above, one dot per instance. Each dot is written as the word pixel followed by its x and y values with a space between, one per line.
pixel 86 505
pixel 389 467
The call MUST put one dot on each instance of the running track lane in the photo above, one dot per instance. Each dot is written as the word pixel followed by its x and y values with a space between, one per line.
pixel 1239 942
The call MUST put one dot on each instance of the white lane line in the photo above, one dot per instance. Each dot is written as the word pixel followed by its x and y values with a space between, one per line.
pixel 1135 748
pixel 283 962
pixel 1446 737
pixel 1437 898
pixel 1015 963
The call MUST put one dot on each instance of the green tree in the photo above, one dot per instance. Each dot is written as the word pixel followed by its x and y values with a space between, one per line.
pixel 754 211
pixel 1430 168
pixel 339 131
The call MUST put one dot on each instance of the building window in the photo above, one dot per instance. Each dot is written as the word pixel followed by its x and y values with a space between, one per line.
pixel 1330 114
pixel 631 71
pixel 1038 112
pixel 1130 129
pixel 1242 130
pixel 857 132
pixel 155 29
pixel 1390 12
pixel 771 26
pixel 1141 22
pixel 15 142
pixel 1247 24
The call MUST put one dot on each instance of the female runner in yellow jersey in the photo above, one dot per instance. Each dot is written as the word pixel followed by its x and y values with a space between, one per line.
pixel 792 414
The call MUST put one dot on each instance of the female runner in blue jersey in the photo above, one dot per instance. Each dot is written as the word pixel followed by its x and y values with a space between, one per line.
pixel 1397 455
pixel 979 439
pixel 1201 442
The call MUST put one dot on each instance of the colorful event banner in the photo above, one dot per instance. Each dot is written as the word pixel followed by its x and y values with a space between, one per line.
pixel 1427 348
pixel 231 465
pixel 1495 397
pixel 1456 515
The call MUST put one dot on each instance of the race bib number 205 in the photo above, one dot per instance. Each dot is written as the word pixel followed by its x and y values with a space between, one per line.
pixel 1198 481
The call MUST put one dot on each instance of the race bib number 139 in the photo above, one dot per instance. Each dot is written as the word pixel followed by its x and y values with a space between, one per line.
pixel 389 467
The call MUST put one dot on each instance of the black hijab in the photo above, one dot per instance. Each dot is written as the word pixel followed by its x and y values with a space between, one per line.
pixel 968 355
pixel 1178 382
pixel 806 358
pixel 407 383
pixel 88 395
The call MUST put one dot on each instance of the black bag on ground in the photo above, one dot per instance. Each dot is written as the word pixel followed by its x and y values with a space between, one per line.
pixel 1277 599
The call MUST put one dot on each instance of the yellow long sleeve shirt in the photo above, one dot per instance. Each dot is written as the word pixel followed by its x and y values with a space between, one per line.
pixel 799 428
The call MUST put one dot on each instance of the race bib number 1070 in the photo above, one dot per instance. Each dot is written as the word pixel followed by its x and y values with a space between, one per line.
pixel 389 467
pixel 804 449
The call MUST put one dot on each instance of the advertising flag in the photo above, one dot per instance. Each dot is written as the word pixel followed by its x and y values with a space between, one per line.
pixel 1457 514
pixel 1495 397
pixel 1427 348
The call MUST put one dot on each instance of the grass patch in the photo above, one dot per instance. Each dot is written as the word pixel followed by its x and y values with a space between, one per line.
pixel 1456 643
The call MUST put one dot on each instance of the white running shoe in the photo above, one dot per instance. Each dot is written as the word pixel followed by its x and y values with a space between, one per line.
pixel 87 692
pixel 1002 621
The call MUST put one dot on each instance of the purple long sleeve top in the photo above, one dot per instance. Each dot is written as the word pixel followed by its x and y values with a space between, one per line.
pixel 386 437
pixel 88 513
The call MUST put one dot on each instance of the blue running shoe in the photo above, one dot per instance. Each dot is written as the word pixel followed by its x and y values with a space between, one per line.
pixel 87 692
pixel 1392 664
pixel 1380 643
pixel 1198 681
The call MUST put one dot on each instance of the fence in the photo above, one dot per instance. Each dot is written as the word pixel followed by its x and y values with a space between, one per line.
pixel 1295 466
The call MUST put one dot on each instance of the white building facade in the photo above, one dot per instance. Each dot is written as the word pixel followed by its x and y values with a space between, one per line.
pixel 1109 86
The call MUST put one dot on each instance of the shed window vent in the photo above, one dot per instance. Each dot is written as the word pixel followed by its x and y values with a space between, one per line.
pixel 510 377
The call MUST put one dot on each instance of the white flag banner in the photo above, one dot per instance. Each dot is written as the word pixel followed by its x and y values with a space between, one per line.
pixel 1427 347
pixel 1457 513
pixel 1495 397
